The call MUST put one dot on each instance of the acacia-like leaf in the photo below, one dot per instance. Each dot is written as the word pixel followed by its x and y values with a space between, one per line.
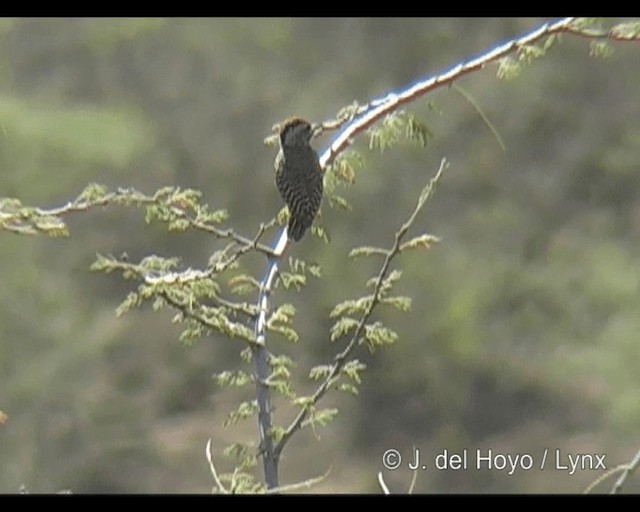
pixel 351 306
pixel 245 410
pixel 418 131
pixel 423 241
pixel 377 334
pixel 367 251
pixel 399 302
pixel 243 284
pixel 627 30
pixel 601 49
pixel 342 327
pixel 320 372
pixel 132 301
pixel 509 68
pixel 234 379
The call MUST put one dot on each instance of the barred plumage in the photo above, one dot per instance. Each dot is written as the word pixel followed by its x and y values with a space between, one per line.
pixel 298 176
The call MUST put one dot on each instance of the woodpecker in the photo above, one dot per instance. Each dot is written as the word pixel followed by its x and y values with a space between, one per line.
pixel 298 175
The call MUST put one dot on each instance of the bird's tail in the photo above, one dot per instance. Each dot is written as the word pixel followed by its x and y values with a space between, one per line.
pixel 296 229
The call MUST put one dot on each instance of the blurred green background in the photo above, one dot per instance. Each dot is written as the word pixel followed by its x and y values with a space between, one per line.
pixel 524 330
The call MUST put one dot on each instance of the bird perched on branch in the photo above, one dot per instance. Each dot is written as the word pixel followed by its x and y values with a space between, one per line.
pixel 298 175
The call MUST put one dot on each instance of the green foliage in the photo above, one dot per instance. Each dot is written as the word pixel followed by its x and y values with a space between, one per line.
pixel 336 201
pixel 366 251
pixel 344 169
pixel 349 112
pixel 204 216
pixel 530 52
pixel 280 378
pixel 245 459
pixel 243 284
pixel 509 68
pixel 320 417
pixel 300 266
pixel 343 326
pixel 304 402
pixel 417 130
pixel 186 292
pixel 353 369
pixel 628 30
pixel 170 204
pixel 281 320
pixel 299 270
pixel 584 24
pixel 245 410
pixel 420 242
pixel 25 220
pixel 342 174
pixel 236 378
pixel 349 307
pixel 178 209
pixel 319 372
pixel 321 233
pixel 93 193
pixel 399 302
pixel 192 331
pixel 386 283
pixel 277 433
pixel 601 49
pixel 241 482
pixel 387 134
pixel 290 279
pixel 377 335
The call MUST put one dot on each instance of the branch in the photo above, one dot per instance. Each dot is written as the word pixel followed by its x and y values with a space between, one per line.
pixel 382 483
pixel 362 117
pixel 169 286
pixel 260 354
pixel 176 204
pixel 218 485
pixel 306 484
pixel 263 398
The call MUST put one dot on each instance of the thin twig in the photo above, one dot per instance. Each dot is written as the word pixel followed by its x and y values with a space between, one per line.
pixel 218 484
pixel 306 484
pixel 482 115
pixel 382 483
pixel 414 479
pixel 629 469
pixel 25 219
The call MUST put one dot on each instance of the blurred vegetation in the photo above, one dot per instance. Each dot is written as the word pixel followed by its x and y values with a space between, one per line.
pixel 523 329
